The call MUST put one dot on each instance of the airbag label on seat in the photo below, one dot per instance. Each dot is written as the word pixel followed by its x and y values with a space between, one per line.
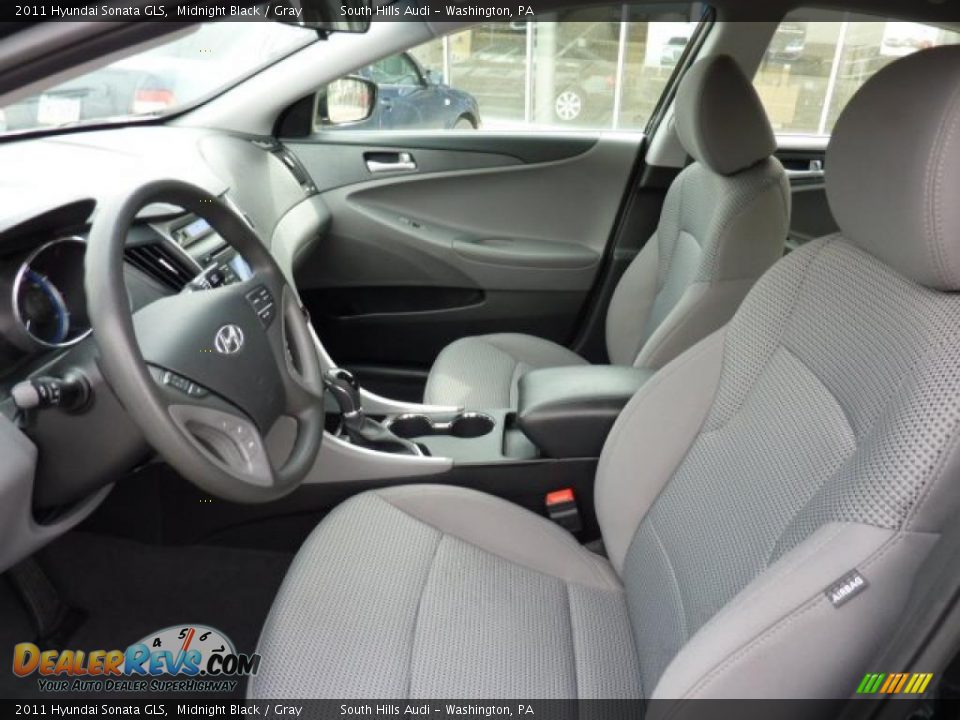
pixel 846 588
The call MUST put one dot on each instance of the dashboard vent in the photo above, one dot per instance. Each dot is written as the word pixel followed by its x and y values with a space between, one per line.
pixel 164 264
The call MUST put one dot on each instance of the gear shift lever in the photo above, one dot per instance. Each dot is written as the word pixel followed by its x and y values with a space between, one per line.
pixel 346 391
pixel 359 428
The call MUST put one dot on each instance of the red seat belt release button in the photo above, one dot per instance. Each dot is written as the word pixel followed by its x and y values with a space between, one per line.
pixel 562 509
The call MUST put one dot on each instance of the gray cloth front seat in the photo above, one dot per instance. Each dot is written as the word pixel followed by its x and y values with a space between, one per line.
pixel 814 440
pixel 723 224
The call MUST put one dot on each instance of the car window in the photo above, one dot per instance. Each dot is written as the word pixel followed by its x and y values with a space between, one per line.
pixel 162 79
pixel 812 67
pixel 601 68
pixel 394 70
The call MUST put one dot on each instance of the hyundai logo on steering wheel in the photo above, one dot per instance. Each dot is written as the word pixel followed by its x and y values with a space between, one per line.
pixel 228 340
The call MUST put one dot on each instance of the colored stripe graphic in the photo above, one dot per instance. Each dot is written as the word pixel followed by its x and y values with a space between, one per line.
pixel 913 683
pixel 870 683
pixel 894 683
pixel 890 683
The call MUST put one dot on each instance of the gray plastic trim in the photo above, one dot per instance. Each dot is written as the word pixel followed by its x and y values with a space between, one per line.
pixel 332 165
pixel 342 462
pixel 20 534
pixel 527 146
pixel 422 223
pixel 525 252
pixel 339 461
pixel 234 438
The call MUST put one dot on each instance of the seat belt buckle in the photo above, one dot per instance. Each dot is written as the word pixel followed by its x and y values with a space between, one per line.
pixel 562 509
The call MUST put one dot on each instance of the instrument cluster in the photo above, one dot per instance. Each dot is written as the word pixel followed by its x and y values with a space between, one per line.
pixel 43 304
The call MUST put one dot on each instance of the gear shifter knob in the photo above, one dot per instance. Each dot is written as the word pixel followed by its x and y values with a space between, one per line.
pixel 362 430
pixel 346 391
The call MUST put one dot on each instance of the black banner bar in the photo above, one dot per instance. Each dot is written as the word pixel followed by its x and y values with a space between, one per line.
pixel 245 10
pixel 188 707
pixel 260 11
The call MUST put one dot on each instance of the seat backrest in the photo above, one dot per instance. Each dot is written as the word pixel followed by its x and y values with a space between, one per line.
pixel 768 496
pixel 724 222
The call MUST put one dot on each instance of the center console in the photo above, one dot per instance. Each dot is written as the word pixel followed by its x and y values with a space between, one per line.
pixel 551 443
pixel 563 413
pixel 465 436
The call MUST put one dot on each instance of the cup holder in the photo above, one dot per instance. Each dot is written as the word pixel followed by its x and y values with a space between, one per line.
pixel 411 426
pixel 471 425
pixel 466 425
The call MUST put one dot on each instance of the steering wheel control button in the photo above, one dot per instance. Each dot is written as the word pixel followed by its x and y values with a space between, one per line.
pixel 187 387
pixel 242 435
pixel 263 305
pixel 266 315
pixel 197 391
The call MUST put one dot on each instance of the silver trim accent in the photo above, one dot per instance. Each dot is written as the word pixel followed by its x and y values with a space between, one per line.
pixel 168 239
pixel 15 291
pixel 405 163
pixel 163 229
pixel 230 203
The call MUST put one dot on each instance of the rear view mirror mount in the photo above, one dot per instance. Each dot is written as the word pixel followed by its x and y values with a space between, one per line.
pixel 324 16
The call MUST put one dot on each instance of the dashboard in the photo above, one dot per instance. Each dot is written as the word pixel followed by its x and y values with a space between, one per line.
pixel 45 218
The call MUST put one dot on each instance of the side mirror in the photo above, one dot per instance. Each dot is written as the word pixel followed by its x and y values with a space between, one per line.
pixel 434 77
pixel 348 100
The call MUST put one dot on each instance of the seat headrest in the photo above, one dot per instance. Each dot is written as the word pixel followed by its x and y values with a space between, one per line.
pixel 719 117
pixel 893 167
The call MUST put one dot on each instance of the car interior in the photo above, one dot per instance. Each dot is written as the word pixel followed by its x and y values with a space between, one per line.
pixel 663 407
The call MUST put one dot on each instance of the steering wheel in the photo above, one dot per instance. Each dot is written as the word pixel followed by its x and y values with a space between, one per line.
pixel 207 374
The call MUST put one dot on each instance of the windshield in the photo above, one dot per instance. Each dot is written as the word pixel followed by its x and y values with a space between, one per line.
pixel 161 80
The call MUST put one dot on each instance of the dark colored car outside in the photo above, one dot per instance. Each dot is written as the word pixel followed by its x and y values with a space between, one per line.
pixel 410 97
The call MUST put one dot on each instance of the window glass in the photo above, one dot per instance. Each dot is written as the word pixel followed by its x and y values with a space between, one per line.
pixel 813 67
pixel 161 80
pixel 395 70
pixel 588 69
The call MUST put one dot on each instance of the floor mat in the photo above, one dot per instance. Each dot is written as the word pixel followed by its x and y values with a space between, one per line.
pixel 128 590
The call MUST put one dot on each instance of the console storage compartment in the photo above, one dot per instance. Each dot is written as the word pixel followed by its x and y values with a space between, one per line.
pixel 567 412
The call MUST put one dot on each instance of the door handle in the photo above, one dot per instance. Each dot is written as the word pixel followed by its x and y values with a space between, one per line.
pixel 813 171
pixel 380 162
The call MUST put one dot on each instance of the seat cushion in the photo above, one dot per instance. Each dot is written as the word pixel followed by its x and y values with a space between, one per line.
pixel 483 371
pixel 428 591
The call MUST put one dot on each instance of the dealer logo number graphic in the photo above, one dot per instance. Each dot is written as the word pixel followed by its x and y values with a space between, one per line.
pixel 211 652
